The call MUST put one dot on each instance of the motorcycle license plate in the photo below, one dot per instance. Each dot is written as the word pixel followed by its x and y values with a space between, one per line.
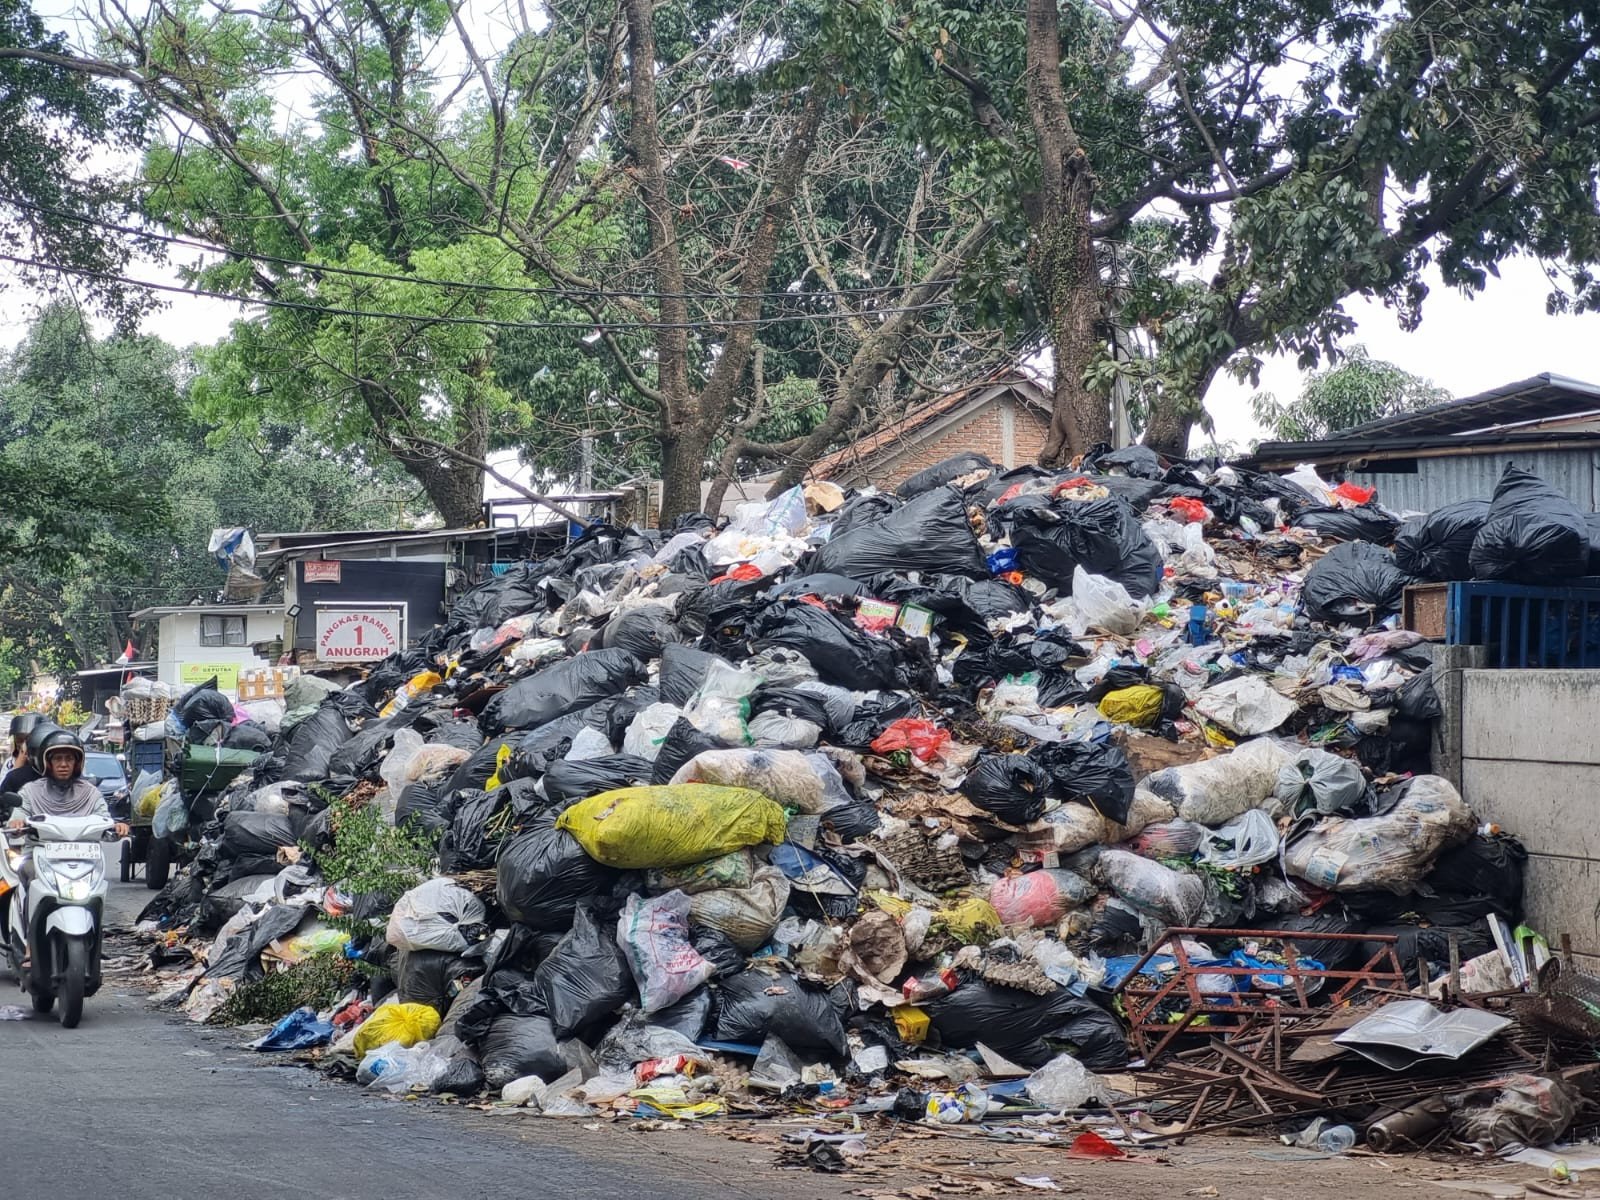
pixel 73 850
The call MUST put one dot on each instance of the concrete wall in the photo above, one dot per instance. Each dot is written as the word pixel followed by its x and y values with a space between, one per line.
pixel 180 642
pixel 1530 762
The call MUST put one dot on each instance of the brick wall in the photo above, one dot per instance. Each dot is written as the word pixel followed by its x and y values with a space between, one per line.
pixel 984 432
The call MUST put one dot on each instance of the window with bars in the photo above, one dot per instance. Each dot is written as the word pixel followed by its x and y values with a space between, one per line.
pixel 221 631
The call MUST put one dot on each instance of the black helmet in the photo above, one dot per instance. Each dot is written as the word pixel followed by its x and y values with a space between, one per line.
pixel 57 740
pixel 23 723
pixel 37 735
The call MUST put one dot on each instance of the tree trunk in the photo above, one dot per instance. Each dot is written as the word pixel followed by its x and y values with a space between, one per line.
pixel 1061 254
pixel 683 461
pixel 1167 431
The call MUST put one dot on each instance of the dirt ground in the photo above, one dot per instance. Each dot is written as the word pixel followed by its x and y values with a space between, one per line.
pixel 910 1162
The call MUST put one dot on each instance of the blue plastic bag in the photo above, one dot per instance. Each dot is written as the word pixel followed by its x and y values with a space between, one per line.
pixel 298 1031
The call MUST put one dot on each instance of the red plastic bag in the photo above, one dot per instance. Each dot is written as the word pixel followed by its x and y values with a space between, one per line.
pixel 1355 493
pixel 923 739
pixel 1190 510
pixel 744 573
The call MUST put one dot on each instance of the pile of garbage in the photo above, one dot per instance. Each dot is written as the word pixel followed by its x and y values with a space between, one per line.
pixel 861 798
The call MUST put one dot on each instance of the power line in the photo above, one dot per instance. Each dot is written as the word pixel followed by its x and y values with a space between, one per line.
pixel 524 290
pixel 328 310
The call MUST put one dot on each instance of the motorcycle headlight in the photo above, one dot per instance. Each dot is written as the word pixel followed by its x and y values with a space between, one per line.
pixel 71 881
pixel 76 889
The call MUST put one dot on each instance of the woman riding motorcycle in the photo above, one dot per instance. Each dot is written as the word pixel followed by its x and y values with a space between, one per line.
pixel 63 792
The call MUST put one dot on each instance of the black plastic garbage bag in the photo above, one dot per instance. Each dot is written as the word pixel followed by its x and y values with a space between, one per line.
pixel 248 735
pixel 477 769
pixel 468 844
pixel 841 653
pixel 517 1046
pixel 442 729
pixel 643 632
pixel 1533 533
pixel 1097 775
pixel 1353 582
pixel 688 1016
pixel 866 509
pixel 788 701
pixel 1364 523
pixel 425 976
pixel 1418 699
pixel 1141 462
pixel 990 598
pixel 1030 1030
pixel 1011 786
pixel 752 1004
pixel 565 687
pixel 204 704
pixel 1336 954
pixel 313 741
pixel 424 806
pixel 257 834
pixel 1489 866
pixel 821 584
pixel 683 742
pixel 497 600
pixel 567 782
pixel 365 751
pixel 586 979
pixel 930 533
pixel 462 1077
pixel 1438 546
pixel 614 714
pixel 718 949
pixel 1104 537
pixel 240 956
pixel 683 670
pixel 544 874
pixel 944 472
pixel 539 749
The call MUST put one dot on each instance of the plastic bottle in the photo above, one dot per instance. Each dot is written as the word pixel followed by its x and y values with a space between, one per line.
pixel 1337 1139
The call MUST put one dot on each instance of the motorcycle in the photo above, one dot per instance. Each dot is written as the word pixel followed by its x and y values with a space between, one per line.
pixel 52 921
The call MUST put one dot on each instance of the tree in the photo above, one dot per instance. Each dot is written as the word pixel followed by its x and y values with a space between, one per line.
pixel 136 486
pixel 620 179
pixel 1358 390
pixel 1240 171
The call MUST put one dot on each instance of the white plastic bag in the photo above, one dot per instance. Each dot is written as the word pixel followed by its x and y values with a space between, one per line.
pixel 393 1067
pixel 721 706
pixel 430 917
pixel 407 744
pixel 807 782
pixel 1215 791
pixel 747 916
pixel 1248 840
pixel 1392 852
pixel 1175 897
pixel 1322 781
pixel 649 729
pixel 1061 1084
pixel 172 814
pixel 1245 706
pixel 1104 604
pixel 654 936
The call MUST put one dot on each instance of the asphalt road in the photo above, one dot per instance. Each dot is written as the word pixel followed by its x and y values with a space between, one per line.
pixel 137 1105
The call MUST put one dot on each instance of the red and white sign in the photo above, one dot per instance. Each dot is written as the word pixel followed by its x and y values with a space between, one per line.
pixel 323 570
pixel 357 634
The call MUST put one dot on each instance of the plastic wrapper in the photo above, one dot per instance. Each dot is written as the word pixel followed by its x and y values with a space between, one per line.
pixel 748 915
pixel 1533 533
pixel 1517 1111
pixel 1174 897
pixel 585 979
pixel 1039 899
pixel 654 936
pixel 1389 853
pixel 637 828
pixel 1248 840
pixel 1439 546
pixel 1326 783
pixel 1245 706
pixel 1355 582
pixel 1214 791
pixel 930 533
pixel 433 916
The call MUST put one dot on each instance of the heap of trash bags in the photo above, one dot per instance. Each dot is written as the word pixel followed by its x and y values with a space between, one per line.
pixel 865 786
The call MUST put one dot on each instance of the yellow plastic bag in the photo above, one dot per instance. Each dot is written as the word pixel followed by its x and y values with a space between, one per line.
pixel 1138 705
pixel 642 827
pixel 501 758
pixel 972 922
pixel 407 1024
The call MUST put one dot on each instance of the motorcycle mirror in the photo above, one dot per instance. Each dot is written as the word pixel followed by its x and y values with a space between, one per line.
pixel 8 801
pixel 92 780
